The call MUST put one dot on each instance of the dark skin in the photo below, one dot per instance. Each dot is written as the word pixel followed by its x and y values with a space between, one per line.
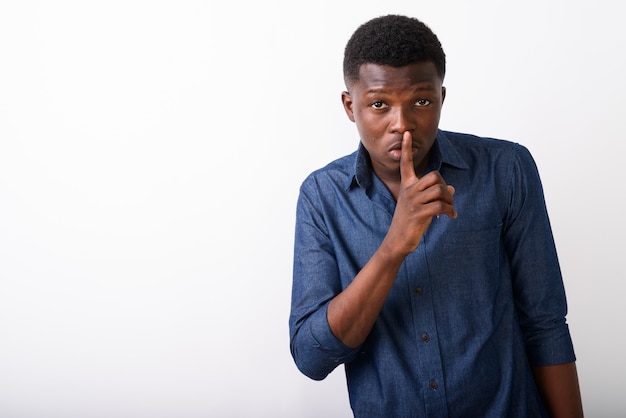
pixel 397 112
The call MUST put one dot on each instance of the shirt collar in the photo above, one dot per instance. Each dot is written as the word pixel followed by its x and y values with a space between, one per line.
pixel 442 152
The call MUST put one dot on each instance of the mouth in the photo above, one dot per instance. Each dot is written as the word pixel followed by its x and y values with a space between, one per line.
pixel 395 151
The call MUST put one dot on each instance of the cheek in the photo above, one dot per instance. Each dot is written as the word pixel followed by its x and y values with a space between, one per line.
pixel 369 122
pixel 430 121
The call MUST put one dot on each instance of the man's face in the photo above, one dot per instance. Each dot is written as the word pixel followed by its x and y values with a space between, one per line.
pixel 385 102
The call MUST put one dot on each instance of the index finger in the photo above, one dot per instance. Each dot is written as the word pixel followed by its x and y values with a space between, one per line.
pixel 407 171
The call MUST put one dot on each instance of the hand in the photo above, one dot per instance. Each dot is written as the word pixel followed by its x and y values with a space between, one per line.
pixel 419 200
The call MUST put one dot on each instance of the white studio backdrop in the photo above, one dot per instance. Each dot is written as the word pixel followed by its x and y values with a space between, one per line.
pixel 150 158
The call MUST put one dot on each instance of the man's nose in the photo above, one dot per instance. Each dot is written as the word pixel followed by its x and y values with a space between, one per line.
pixel 402 121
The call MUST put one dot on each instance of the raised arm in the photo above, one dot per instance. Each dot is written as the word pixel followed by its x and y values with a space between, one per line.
pixel 352 313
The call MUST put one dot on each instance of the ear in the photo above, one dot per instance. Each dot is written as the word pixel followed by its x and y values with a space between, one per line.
pixel 443 94
pixel 346 99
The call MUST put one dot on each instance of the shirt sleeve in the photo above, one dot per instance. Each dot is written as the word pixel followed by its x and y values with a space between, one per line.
pixel 537 281
pixel 314 347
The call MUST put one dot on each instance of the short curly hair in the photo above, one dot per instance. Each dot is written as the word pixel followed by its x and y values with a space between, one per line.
pixel 393 40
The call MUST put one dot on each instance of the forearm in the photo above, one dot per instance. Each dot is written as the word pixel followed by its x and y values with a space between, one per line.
pixel 323 337
pixel 560 390
pixel 353 312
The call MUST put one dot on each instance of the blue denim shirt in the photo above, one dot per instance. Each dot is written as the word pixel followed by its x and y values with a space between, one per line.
pixel 479 301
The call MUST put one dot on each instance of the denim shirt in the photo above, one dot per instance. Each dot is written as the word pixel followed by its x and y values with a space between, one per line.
pixel 479 301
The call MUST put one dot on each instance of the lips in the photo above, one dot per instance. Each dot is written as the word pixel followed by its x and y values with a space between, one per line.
pixel 398 146
pixel 395 151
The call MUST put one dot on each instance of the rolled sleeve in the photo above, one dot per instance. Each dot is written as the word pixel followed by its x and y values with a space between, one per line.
pixel 314 347
pixel 538 285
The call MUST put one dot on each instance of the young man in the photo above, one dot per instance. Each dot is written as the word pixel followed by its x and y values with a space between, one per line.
pixel 425 261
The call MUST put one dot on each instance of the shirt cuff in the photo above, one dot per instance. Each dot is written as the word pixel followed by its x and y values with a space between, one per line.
pixel 318 351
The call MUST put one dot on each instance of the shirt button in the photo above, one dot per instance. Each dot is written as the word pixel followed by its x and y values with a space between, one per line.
pixel 425 337
pixel 419 291
pixel 433 385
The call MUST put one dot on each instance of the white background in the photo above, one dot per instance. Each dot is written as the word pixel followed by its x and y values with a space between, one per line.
pixel 150 159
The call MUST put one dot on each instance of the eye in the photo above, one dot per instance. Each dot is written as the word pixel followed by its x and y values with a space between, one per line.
pixel 422 102
pixel 378 105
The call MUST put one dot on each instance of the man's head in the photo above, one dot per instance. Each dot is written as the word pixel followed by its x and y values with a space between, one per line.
pixel 392 40
pixel 394 68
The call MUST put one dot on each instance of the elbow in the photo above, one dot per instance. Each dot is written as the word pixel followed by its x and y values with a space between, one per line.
pixel 312 373
pixel 310 365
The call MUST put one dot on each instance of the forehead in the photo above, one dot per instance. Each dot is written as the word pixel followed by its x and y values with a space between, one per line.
pixel 419 74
